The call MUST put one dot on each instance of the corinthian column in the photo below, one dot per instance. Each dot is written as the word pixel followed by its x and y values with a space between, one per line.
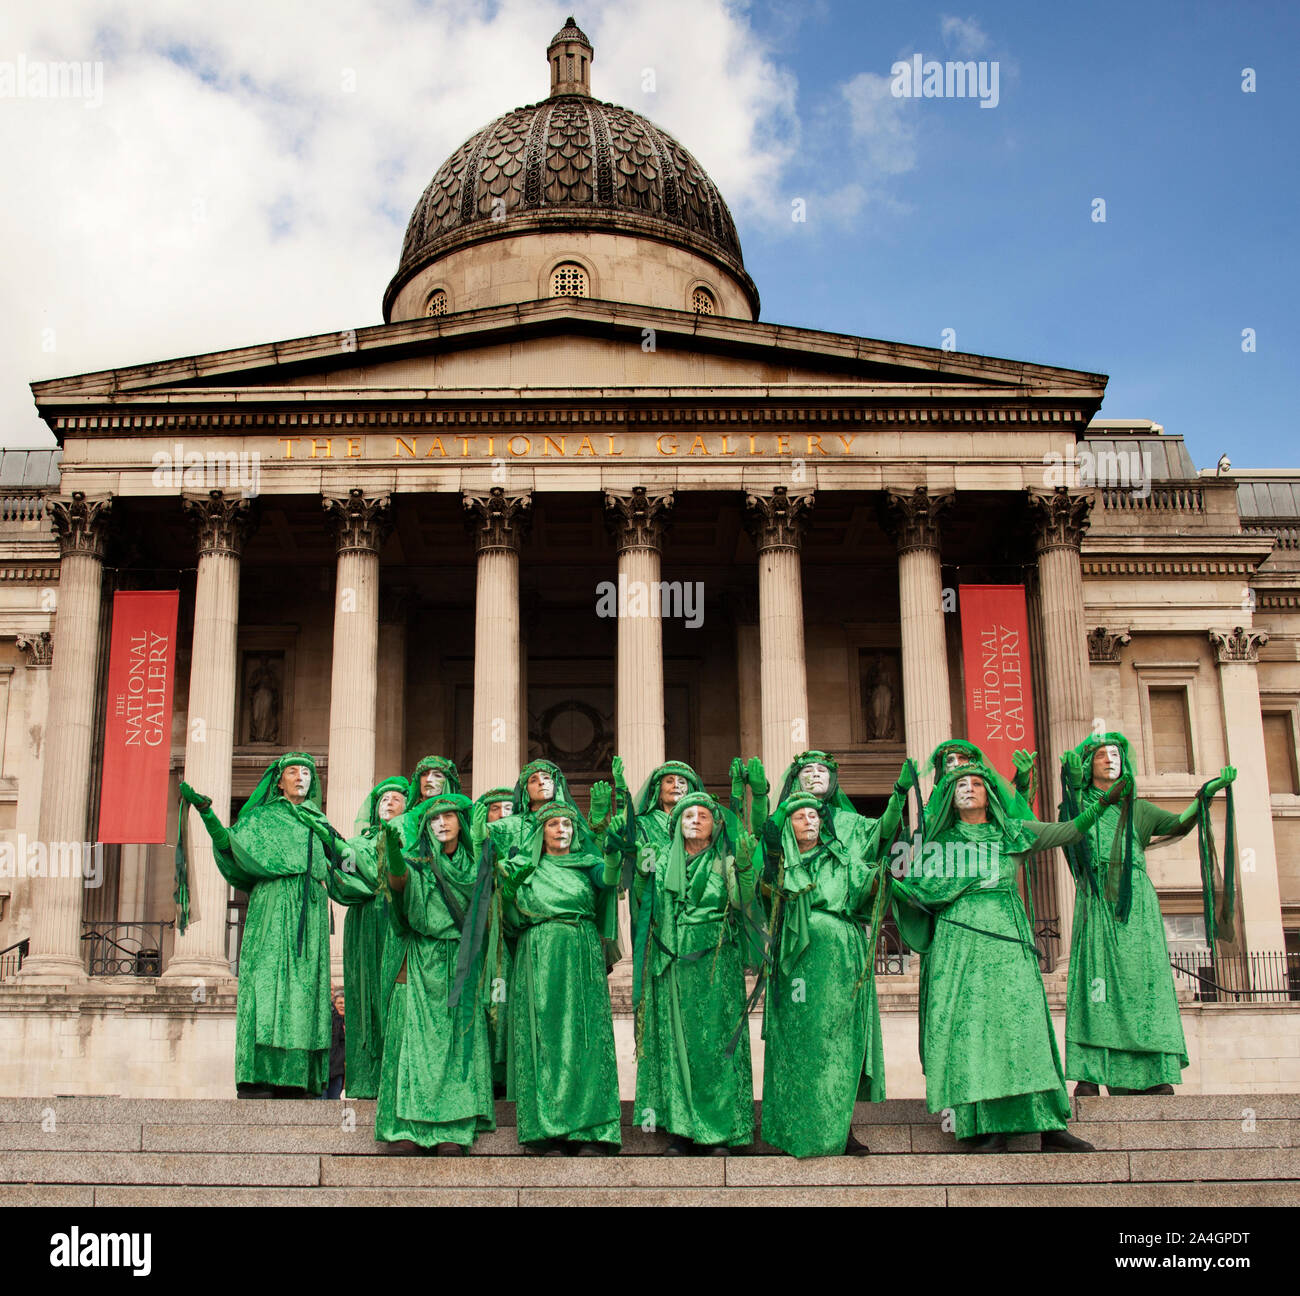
pixel 224 523
pixel 1060 520
pixel 913 518
pixel 498 522
pixel 1259 918
pixel 81 525
pixel 777 523
pixel 638 522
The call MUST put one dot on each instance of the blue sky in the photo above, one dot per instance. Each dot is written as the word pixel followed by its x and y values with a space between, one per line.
pixel 248 175
pixel 989 231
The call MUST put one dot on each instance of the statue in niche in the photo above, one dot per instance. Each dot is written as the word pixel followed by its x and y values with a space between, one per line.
pixel 882 712
pixel 263 703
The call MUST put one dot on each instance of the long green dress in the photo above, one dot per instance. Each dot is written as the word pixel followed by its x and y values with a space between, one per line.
pixel 1122 1024
pixel 285 856
pixel 988 1049
pixel 689 987
pixel 365 931
pixel 499 973
pixel 436 1082
pixel 821 1024
pixel 563 1073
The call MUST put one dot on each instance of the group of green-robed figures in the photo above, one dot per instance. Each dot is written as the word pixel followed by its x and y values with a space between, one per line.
pixel 479 937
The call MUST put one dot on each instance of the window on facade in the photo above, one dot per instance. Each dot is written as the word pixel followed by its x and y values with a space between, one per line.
pixel 1279 752
pixel 568 280
pixel 1171 730
pixel 437 303
pixel 702 302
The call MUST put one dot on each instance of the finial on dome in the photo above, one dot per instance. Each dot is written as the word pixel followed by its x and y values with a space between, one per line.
pixel 570 56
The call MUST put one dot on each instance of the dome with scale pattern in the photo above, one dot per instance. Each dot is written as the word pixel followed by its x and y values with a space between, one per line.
pixel 570 162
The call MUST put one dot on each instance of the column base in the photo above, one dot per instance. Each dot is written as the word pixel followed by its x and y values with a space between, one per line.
pixel 52 969
pixel 208 971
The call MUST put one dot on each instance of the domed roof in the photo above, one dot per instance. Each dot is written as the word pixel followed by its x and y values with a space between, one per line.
pixel 570 161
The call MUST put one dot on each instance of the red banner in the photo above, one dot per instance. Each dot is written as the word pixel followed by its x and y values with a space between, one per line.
pixel 999 688
pixel 138 731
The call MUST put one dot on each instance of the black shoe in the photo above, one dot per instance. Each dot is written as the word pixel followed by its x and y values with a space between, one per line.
pixel 1164 1090
pixel 984 1143
pixel 447 1150
pixel 1086 1089
pixel 854 1148
pixel 678 1146
pixel 254 1091
pixel 1063 1141
pixel 401 1147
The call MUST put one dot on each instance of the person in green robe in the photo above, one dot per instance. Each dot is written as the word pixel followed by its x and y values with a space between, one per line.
pixel 494 805
pixel 987 1045
pixel 433 776
pixel 559 901
pixel 435 1088
pixel 960 751
pixel 540 784
pixel 816 773
pixel 285 854
pixel 821 1022
pixel 1122 1026
pixel 365 929
pixel 688 982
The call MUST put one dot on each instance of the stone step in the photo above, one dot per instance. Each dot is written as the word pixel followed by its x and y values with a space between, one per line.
pixel 290 1170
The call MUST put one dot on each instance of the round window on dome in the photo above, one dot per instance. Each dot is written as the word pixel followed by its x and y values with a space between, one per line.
pixel 568 280
pixel 702 302
pixel 437 303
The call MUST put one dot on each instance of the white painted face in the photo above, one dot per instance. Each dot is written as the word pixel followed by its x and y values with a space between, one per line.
pixel 1107 762
pixel 391 804
pixel 971 794
pixel 697 824
pixel 500 810
pixel 807 826
pixel 445 828
pixel 954 758
pixel 672 787
pixel 558 834
pixel 432 782
pixel 815 780
pixel 541 787
pixel 295 782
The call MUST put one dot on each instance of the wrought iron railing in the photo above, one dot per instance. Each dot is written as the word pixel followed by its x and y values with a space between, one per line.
pixel 124 949
pixel 1266 976
pixel 11 958
pixel 893 958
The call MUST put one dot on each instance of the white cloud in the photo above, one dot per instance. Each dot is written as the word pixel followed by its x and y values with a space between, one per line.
pixel 964 35
pixel 882 123
pixel 231 189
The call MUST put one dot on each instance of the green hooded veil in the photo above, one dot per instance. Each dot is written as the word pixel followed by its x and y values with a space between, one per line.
pixel 448 767
pixel 835 795
pixel 647 799
pixel 968 753
pixel 366 823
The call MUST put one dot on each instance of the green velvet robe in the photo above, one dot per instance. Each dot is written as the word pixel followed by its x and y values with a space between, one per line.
pixel 988 1049
pixel 436 1080
pixel 689 965
pixel 1122 1025
pixel 282 1012
pixel 562 1073
pixel 821 1021
pixel 365 930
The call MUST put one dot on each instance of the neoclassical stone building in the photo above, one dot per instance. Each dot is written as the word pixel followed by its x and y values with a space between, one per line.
pixel 409 538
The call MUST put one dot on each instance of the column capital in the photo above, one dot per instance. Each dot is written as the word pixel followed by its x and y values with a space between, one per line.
pixel 81 524
pixel 637 519
pixel 1060 518
pixel 912 517
pixel 224 522
pixel 360 522
pixel 39 649
pixel 778 520
pixel 1104 645
pixel 1238 644
pixel 498 520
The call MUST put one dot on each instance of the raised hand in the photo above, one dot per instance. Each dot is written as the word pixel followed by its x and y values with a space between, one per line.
pixel 1228 774
pixel 196 799
pixel 1023 760
pixel 906 778
pixel 1118 790
pixel 757 776
pixel 1073 764
pixel 602 797
pixel 620 778
pixel 746 845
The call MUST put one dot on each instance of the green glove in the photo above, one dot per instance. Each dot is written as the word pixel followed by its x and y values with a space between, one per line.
pixel 746 845
pixel 737 778
pixel 390 851
pixel 906 779
pixel 772 840
pixel 1228 774
pixel 602 797
pixel 620 779
pixel 1073 764
pixel 757 776
pixel 196 799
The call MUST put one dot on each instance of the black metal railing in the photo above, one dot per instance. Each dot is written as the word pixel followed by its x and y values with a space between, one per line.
pixel 11 958
pixel 1266 976
pixel 124 949
pixel 893 957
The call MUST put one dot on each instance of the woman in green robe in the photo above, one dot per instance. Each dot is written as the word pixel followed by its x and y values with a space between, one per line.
pixel 821 1021
pixel 365 929
pixel 560 903
pixel 494 805
pixel 1122 1025
pixel 959 751
pixel 688 982
pixel 284 853
pixel 435 1089
pixel 987 1045
pixel 816 774
pixel 433 776
pixel 541 783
